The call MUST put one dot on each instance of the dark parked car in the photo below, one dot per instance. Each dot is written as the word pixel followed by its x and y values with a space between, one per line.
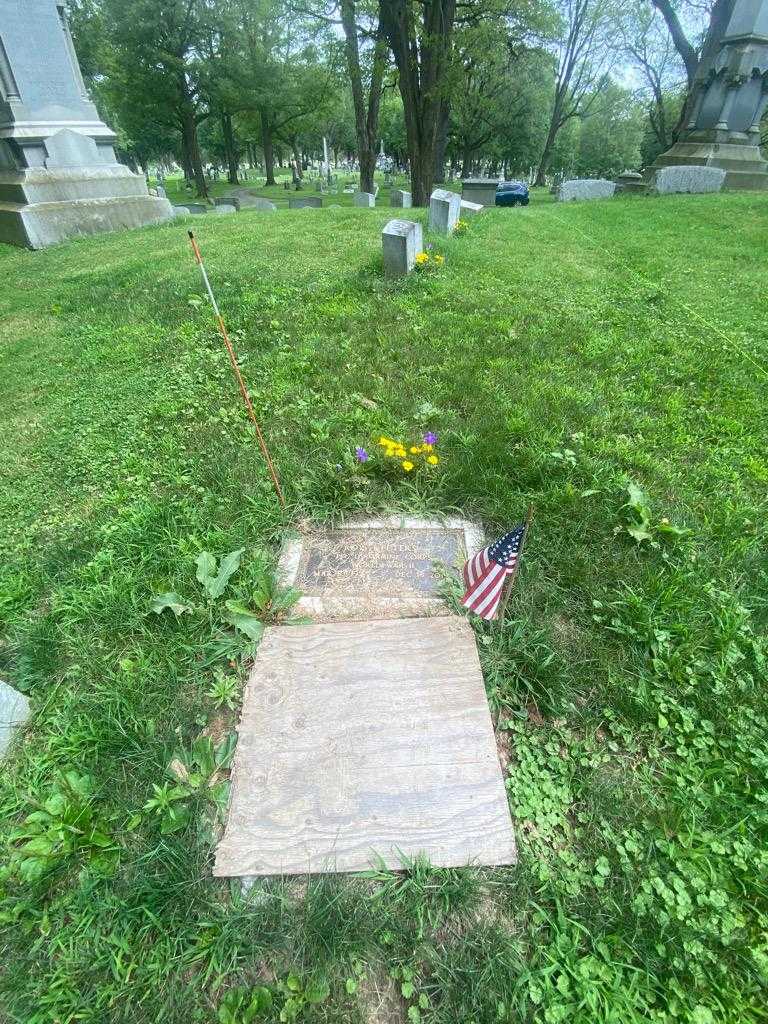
pixel 512 193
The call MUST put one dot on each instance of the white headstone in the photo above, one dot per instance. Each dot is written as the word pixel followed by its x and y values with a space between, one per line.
pixel 585 188
pixel 14 712
pixel 444 208
pixel 400 198
pixel 694 178
pixel 365 199
pixel 401 241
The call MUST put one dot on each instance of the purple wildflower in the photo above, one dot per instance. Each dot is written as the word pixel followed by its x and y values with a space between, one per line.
pixel 361 455
pixel 430 438
pixel 430 247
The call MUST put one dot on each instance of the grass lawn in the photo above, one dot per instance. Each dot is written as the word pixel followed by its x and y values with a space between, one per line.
pixel 607 362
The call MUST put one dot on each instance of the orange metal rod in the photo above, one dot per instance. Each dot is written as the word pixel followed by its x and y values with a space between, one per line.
pixel 236 370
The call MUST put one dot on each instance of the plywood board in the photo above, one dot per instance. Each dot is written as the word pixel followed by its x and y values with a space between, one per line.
pixel 363 742
pixel 376 568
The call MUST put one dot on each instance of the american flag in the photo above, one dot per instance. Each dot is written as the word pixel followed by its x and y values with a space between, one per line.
pixel 486 572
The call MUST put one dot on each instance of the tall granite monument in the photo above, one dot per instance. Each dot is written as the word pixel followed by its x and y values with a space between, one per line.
pixel 728 105
pixel 59 176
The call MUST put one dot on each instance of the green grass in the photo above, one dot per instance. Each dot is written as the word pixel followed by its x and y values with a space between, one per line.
pixel 562 354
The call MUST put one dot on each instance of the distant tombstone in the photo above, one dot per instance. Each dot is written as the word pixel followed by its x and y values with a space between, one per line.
pixel 228 201
pixel 444 207
pixel 479 190
pixel 691 178
pixel 401 241
pixel 262 204
pixel 224 208
pixel 349 190
pixel 365 199
pixel 160 191
pixel 319 185
pixel 400 198
pixel 632 182
pixel 14 712
pixel 304 202
pixel 585 188
pixel 181 211
pixel 470 209
pixel 196 208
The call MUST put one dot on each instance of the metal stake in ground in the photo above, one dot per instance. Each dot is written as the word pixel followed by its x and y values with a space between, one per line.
pixel 236 369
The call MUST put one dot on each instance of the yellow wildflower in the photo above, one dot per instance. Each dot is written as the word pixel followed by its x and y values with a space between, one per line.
pixel 400 453
pixel 414 450
pixel 439 260
pixel 432 460
pixel 407 466
pixel 422 257
pixel 428 447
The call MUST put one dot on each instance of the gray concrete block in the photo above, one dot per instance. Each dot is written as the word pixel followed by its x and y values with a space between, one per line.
pixel 302 202
pixel 400 198
pixel 364 199
pixel 14 712
pixel 585 188
pixel 444 208
pixel 401 240
pixel 479 190
pixel 688 179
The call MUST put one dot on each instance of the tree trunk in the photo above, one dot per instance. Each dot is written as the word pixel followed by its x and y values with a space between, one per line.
pixel 230 149
pixel 466 157
pixel 268 147
pixel 366 120
pixel 442 142
pixel 422 60
pixel 192 150
pixel 541 173
pixel 296 159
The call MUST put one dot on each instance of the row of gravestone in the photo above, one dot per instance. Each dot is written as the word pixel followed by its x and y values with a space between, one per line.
pixel 667 180
pixel 403 240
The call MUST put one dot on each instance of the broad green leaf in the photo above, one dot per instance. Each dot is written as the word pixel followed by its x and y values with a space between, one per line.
pixel 635 497
pixel 243 620
pixel 206 567
pixel 170 600
pixel 229 564
pixel 640 533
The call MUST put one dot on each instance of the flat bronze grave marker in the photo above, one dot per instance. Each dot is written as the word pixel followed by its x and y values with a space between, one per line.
pixel 376 568
pixel 361 743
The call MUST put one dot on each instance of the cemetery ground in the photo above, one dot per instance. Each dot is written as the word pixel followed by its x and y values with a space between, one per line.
pixel 607 362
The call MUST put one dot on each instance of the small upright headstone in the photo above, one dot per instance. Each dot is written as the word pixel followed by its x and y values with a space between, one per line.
pixel 401 241
pixel 400 198
pixel 444 207
pixel 585 188
pixel 470 208
pixel 302 202
pixel 196 208
pixel 224 208
pixel 181 211
pixel 262 204
pixel 228 201
pixel 632 182
pixel 365 199
pixel 693 178
pixel 479 190
pixel 14 712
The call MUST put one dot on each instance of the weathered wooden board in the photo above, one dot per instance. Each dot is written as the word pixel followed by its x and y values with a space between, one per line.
pixel 363 742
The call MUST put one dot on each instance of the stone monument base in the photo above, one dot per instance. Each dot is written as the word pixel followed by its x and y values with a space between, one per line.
pixel 40 207
pixel 744 164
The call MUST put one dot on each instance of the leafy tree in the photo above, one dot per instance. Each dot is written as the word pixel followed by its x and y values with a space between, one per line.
pixel 649 47
pixel 158 68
